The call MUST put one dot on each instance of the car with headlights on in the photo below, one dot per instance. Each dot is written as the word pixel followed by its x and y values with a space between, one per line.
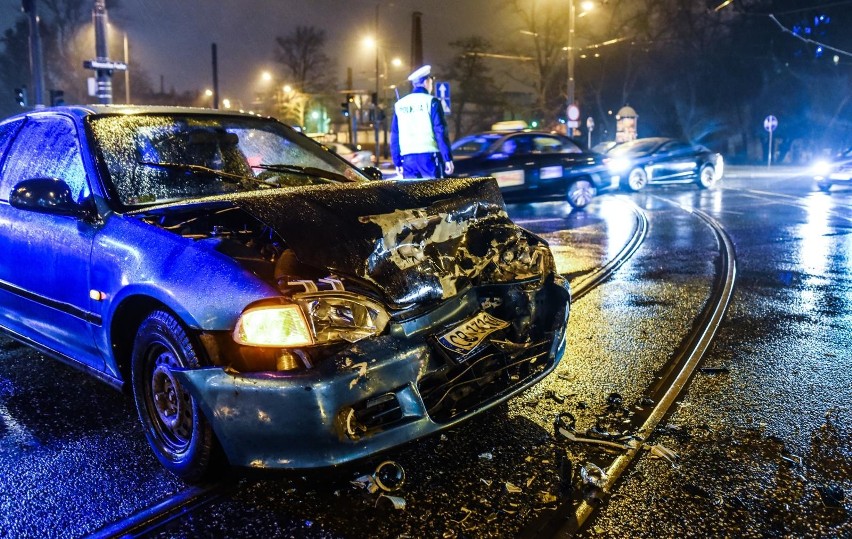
pixel 262 299
pixel 836 171
pixel 534 166
pixel 658 160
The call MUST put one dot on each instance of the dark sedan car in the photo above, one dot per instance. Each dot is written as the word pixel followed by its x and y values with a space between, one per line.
pixel 663 160
pixel 836 171
pixel 260 297
pixel 530 165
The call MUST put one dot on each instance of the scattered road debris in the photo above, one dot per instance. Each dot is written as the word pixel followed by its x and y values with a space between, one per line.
pixel 512 489
pixel 389 476
pixel 395 501
pixel 486 456
pixel 714 370
pixel 659 451
pixel 832 496
pixel 593 475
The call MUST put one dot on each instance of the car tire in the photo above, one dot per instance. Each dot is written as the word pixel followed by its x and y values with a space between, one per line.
pixel 179 434
pixel 580 193
pixel 824 187
pixel 637 179
pixel 707 177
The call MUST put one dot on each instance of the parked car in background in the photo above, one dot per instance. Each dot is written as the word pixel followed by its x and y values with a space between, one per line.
pixel 836 171
pixel 532 166
pixel 354 154
pixel 261 298
pixel 647 161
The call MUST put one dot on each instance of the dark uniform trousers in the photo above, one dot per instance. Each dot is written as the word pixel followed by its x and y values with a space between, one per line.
pixel 422 165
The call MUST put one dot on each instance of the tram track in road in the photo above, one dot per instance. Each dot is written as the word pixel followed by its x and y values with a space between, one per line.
pixel 158 516
pixel 569 518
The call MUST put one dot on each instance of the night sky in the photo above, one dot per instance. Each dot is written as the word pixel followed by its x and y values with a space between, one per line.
pixel 172 38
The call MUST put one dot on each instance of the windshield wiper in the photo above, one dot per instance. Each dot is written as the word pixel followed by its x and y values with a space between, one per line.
pixel 200 168
pixel 324 175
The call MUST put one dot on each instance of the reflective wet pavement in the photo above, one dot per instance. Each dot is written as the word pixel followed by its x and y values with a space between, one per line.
pixel 762 437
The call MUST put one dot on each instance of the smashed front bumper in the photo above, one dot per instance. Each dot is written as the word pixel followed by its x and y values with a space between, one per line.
pixel 385 391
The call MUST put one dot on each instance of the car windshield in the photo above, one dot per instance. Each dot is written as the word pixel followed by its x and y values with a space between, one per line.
pixel 634 147
pixel 473 145
pixel 160 158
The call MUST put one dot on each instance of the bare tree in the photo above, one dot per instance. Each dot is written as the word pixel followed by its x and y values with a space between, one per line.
pixel 477 100
pixel 302 53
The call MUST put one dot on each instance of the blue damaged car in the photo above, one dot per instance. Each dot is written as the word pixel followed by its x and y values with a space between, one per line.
pixel 267 304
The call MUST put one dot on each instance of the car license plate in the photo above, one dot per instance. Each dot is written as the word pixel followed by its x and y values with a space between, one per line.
pixel 469 334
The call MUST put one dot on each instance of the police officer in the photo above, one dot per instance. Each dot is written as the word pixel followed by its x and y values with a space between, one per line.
pixel 420 143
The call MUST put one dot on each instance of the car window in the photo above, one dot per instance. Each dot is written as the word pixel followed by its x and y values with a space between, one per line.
pixel 674 146
pixel 7 131
pixel 638 146
pixel 545 144
pixel 160 158
pixel 46 147
pixel 472 145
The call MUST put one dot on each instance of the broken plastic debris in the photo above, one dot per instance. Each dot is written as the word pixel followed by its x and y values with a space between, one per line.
pixel 389 476
pixel 546 498
pixel 614 400
pixel 396 502
pixel 714 370
pixel 554 397
pixel 660 451
pixel 512 489
pixel 593 475
pixel 564 420
pixel 367 482
pixel 486 456
pixel 572 438
pixel 832 496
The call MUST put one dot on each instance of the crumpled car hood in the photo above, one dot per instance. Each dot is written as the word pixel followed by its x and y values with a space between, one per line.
pixel 414 240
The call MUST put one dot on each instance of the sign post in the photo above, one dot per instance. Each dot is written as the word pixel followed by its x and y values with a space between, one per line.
pixel 590 125
pixel 770 123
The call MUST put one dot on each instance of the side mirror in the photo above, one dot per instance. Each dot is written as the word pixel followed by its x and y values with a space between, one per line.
pixel 46 195
pixel 374 173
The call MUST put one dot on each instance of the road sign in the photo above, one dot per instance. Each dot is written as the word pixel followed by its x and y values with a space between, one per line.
pixel 442 91
pixel 573 112
pixel 105 65
pixel 770 123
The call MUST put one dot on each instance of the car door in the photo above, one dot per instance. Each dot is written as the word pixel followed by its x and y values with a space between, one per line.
pixel 507 164
pixel 675 162
pixel 46 273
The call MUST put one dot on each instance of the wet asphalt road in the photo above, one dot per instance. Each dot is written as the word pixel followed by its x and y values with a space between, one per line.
pixel 763 439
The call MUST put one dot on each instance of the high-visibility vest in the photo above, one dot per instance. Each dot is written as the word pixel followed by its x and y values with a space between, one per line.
pixel 414 121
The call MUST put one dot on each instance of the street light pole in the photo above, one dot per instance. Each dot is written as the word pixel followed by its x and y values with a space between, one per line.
pixel 572 15
pixel 376 101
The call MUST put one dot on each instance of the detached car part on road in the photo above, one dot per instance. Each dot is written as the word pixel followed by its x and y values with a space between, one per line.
pixel 656 160
pixel 263 299
pixel 534 166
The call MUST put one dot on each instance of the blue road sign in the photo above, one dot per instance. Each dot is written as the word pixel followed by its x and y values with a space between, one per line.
pixel 442 92
pixel 770 123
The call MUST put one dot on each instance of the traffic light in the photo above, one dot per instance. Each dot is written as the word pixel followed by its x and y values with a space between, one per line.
pixel 57 98
pixel 344 107
pixel 21 96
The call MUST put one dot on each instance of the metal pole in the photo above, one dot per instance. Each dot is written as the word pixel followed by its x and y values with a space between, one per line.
pixel 215 60
pixel 769 159
pixel 104 82
pixel 572 14
pixel 36 58
pixel 376 102
pixel 126 71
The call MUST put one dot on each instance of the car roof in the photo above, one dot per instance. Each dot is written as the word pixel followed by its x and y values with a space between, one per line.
pixel 81 111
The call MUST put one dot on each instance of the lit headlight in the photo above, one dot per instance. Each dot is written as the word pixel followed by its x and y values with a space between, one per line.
pixel 273 325
pixel 342 316
pixel 315 318
pixel 618 164
pixel 821 168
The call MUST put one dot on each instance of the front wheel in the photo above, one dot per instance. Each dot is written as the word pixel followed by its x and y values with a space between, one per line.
pixel 707 177
pixel 580 193
pixel 176 429
pixel 637 179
